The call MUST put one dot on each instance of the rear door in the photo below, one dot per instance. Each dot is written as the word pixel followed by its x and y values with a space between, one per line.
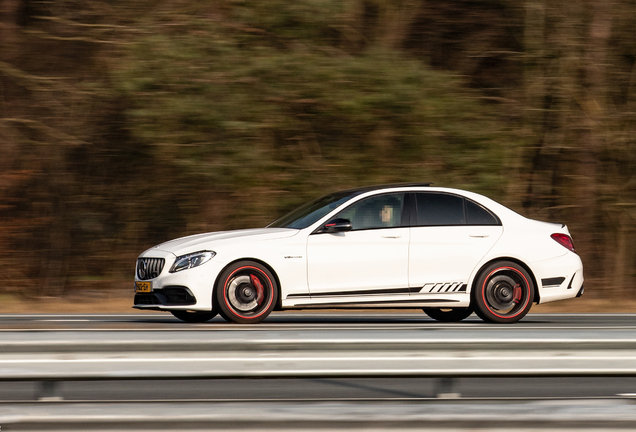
pixel 449 237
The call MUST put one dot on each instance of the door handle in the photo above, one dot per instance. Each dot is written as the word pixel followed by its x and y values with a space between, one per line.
pixel 392 236
pixel 479 235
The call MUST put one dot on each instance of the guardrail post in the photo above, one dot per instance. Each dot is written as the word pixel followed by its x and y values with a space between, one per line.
pixel 444 388
pixel 47 391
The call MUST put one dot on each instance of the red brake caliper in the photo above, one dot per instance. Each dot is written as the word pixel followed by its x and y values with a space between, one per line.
pixel 517 294
pixel 259 288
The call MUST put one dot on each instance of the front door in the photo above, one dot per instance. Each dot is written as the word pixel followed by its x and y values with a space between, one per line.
pixel 371 260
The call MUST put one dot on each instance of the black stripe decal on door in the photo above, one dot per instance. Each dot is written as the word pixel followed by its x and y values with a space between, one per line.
pixel 354 293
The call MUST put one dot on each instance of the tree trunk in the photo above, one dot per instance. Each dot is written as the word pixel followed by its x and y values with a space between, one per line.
pixel 592 95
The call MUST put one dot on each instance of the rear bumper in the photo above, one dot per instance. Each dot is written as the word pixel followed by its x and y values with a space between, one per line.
pixel 567 269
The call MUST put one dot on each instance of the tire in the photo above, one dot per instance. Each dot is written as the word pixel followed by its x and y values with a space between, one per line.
pixel 246 293
pixel 193 316
pixel 503 293
pixel 448 314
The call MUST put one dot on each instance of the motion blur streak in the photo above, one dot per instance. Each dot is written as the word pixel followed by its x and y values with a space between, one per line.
pixel 124 124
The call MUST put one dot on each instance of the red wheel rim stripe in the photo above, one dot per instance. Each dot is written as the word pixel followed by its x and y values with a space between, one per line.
pixel 483 292
pixel 271 297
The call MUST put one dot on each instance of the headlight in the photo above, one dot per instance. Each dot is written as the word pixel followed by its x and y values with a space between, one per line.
pixel 185 262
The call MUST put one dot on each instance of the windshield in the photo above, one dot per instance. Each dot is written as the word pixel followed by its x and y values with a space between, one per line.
pixel 311 212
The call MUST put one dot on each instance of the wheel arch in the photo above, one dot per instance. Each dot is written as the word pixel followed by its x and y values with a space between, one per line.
pixel 264 264
pixel 537 296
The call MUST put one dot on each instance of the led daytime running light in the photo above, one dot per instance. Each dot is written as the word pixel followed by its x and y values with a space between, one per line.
pixel 192 260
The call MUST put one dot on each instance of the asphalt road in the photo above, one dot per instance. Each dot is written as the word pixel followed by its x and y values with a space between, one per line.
pixel 290 321
pixel 323 325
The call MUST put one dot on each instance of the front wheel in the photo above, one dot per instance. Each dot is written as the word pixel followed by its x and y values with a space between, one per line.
pixel 448 314
pixel 193 316
pixel 246 293
pixel 503 293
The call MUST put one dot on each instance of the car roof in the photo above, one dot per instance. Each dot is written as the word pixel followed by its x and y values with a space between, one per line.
pixel 372 188
pixel 489 203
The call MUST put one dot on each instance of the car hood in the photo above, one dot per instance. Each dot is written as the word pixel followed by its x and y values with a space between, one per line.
pixel 208 241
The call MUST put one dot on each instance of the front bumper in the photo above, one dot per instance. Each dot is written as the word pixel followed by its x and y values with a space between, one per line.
pixel 167 296
pixel 189 289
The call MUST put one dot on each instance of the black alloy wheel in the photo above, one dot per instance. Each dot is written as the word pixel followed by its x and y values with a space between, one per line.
pixel 246 293
pixel 503 293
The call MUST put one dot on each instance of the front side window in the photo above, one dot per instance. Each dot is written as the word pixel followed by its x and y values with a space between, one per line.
pixel 383 211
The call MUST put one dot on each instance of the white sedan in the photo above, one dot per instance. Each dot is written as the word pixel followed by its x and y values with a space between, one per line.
pixel 447 251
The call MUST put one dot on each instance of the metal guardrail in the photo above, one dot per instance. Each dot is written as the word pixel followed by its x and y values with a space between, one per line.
pixel 53 357
pixel 143 356
pixel 334 417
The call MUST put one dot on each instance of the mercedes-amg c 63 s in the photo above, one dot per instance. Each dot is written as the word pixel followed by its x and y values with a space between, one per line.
pixel 449 252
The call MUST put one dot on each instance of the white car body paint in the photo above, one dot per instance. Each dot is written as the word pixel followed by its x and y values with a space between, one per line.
pixel 410 266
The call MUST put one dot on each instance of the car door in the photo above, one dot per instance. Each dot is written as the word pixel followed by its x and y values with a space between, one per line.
pixel 369 260
pixel 449 237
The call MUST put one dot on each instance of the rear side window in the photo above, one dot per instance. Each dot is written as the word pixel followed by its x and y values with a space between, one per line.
pixel 439 209
pixel 477 215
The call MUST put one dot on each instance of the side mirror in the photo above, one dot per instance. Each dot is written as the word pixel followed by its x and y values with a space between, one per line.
pixel 337 225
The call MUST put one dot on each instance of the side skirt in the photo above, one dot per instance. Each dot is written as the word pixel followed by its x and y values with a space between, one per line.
pixel 371 302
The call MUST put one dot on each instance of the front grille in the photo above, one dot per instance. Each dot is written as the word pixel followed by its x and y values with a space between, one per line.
pixel 149 268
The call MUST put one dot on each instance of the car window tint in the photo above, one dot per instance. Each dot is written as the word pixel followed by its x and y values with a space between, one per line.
pixel 478 215
pixel 439 209
pixel 384 211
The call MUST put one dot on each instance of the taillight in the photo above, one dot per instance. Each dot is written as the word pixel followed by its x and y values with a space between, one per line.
pixel 565 241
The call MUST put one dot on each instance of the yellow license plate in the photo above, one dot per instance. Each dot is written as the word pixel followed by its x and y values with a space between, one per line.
pixel 142 287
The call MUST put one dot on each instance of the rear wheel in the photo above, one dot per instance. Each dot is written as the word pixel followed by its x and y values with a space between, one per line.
pixel 503 293
pixel 246 292
pixel 448 314
pixel 193 316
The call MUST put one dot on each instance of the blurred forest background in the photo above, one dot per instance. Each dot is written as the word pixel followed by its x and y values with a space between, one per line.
pixel 126 123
